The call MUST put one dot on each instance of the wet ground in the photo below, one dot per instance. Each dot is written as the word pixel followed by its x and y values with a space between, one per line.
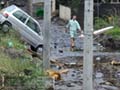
pixel 106 76
pixel 60 41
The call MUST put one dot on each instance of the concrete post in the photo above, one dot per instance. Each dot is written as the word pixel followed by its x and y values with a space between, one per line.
pixel 88 46
pixel 30 7
pixel 46 34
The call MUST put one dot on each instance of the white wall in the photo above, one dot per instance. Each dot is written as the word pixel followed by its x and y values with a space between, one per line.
pixel 64 12
pixel 37 1
pixel 53 5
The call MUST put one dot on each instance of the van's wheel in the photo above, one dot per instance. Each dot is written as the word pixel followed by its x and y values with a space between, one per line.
pixel 6 27
pixel 40 49
pixel 33 49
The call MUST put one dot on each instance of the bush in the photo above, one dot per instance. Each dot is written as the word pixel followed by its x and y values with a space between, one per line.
pixel 115 32
pixel 107 21
pixel 12 37
pixel 100 23
pixel 40 12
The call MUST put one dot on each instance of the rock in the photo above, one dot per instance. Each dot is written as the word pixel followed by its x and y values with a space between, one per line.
pixel 69 85
pixel 60 51
pixel 98 58
pixel 73 75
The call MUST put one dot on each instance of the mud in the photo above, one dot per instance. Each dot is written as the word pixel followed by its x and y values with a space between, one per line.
pixel 105 76
pixel 109 43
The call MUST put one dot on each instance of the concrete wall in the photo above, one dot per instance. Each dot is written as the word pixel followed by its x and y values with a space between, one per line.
pixel 53 8
pixel 37 1
pixel 64 12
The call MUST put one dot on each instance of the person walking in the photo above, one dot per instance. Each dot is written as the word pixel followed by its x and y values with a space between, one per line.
pixel 73 26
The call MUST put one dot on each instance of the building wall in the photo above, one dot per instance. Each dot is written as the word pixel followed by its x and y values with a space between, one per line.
pixel 64 12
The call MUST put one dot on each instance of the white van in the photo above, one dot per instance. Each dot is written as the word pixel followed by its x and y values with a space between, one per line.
pixel 28 27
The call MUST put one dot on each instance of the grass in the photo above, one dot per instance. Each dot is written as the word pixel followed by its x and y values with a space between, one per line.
pixel 14 67
pixel 100 23
pixel 104 22
pixel 18 64
pixel 11 39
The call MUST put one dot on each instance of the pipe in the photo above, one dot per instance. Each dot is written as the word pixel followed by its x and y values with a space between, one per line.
pixel 102 30
pixel 99 31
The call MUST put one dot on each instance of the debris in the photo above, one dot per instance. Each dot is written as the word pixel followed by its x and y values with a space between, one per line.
pixel 10 44
pixel 56 75
pixel 71 64
pixel 69 85
pixel 35 54
pixel 73 75
pixel 64 71
pixel 106 83
pixel 98 58
pixel 60 51
pixel 55 45
pixel 56 63
pixel 115 62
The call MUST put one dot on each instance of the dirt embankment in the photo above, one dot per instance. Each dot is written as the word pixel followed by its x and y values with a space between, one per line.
pixel 109 43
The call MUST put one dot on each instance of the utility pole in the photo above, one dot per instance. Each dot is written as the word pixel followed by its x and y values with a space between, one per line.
pixel 46 34
pixel 30 7
pixel 88 46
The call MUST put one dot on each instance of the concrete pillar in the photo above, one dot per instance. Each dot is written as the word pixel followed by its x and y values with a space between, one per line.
pixel 46 34
pixel 88 46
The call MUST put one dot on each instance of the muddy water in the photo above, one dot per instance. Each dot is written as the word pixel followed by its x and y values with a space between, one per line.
pixel 105 76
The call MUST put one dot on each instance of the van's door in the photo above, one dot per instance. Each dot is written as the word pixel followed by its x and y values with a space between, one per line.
pixel 18 21
pixel 34 31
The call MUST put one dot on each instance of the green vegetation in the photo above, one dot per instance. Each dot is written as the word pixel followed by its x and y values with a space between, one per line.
pixel 40 12
pixel 12 66
pixel 115 33
pixel 17 66
pixel 108 21
pixel 100 23
pixel 13 38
